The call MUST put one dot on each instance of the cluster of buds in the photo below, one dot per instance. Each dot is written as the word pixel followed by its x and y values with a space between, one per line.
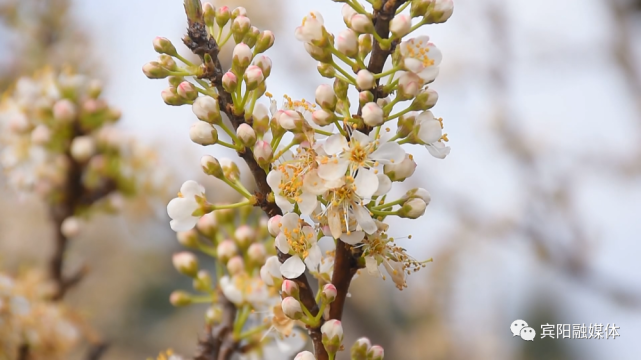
pixel 27 315
pixel 58 134
pixel 324 169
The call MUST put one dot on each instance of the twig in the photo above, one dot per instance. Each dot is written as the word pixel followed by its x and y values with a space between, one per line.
pixel 97 350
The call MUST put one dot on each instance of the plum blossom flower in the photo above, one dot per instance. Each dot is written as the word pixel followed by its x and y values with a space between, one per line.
pixel 311 29
pixel 430 133
pixel 299 240
pixel 421 57
pixel 182 209
pixel 242 288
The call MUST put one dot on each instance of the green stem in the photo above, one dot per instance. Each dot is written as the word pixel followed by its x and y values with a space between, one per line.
pixel 221 44
pixel 226 144
pixel 231 206
pixel 388 72
pixel 322 132
pixel 387 108
pixel 276 142
pixel 241 190
pixel 400 113
pixel 389 204
pixel 283 150
pixel 232 135
pixel 349 78
pixel 187 62
pixel 403 7
pixel 383 213
pixel 343 57
pixel 240 321
pixel 253 331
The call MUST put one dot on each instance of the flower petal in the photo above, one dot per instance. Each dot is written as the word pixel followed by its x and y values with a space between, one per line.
pixel 313 258
pixel 335 144
pixel 360 137
pixel 333 170
pixel 191 188
pixel 290 221
pixel 334 221
pixel 292 267
pixel 307 203
pixel 384 185
pixel 284 204
pixel 366 183
pixel 281 243
pixel 313 183
pixel 273 179
pixel 353 238
pixel 372 265
pixel 181 208
pixel 390 152
pixel 438 150
pixel 364 219
pixel 185 224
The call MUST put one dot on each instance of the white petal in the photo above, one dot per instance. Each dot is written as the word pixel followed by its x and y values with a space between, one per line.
pixel 430 131
pixel 364 219
pixel 360 137
pixel 307 203
pixel 335 144
pixel 281 243
pixel 313 258
pixel 372 265
pixel 333 170
pixel 284 204
pixel 191 188
pixel 292 267
pixel 384 185
pixel 273 179
pixel 185 224
pixel 438 150
pixel 327 244
pixel 413 65
pixel 429 74
pixel 390 152
pixel 180 208
pixel 354 238
pixel 334 220
pixel 366 183
pixel 313 183
pixel 290 221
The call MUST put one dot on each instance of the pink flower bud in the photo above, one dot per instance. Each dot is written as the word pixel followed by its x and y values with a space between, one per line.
pixel 261 119
pixel 203 133
pixel 329 293
pixel 244 235
pixel 235 265
pixel 419 193
pixel 400 25
pixel 409 85
pixel 211 166
pixel 440 11
pixel 186 263
pixel 347 12
pixel 402 170
pixel 167 62
pixel 239 11
pixel 347 43
pixel 241 57
pixel 251 37
pixel 290 288
pixel 325 97
pixel 263 153
pixel 82 148
pixel 376 353
pixel 257 253
pixel 164 46
pixel 365 43
pixel 226 250
pixel 202 282
pixel 230 82
pixel 323 55
pixel 413 208
pixel 292 309
pixel 179 298
pixel 273 225
pixel 70 227
pixel 312 30
pixel 332 331
pixel 426 99
pixel 365 80
pixel 290 119
pixel 264 63
pixel 326 70
pixel 209 14
pixel 223 14
pixel 154 70
pixel 365 97
pixel 231 171
pixel 64 110
pixel 41 135
pixel 206 108
pixel 246 134
pixel 360 348
pixel 187 90
pixel 253 77
pixel 170 97
pixel 239 27
pixel 264 42
pixel 372 114
pixel 304 355
pixel 323 117
pixel 362 24
pixel 207 223
pixel 188 238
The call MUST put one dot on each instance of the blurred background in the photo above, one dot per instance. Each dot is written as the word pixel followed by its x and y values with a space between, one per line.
pixel 535 215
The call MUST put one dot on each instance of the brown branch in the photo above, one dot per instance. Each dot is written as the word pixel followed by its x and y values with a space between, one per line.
pixel 97 350
pixel 201 44
pixel 23 352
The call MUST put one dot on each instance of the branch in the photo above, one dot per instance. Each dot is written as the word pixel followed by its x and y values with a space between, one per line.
pixel 97 350
pixel 201 44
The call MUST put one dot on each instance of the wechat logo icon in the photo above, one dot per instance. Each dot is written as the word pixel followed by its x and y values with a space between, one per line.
pixel 521 328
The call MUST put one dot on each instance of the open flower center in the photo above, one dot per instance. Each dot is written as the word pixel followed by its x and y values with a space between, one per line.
pixel 298 240
pixel 419 51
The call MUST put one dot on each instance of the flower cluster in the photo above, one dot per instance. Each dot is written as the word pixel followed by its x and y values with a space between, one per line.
pixel 322 170
pixel 29 318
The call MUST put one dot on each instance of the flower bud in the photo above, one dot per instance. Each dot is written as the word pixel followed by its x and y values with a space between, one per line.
pixel 265 41
pixel 419 7
pixel 235 265
pixel 211 166
pixel 187 90
pixel 226 250
pixel 400 25
pixel 402 170
pixel 292 309
pixel 203 133
pixel 376 352
pixel 257 253
pixel 290 289
pixel 275 127
pixel 325 97
pixel 406 124
pixel 362 24
pixel 290 119
pixel 154 70
pixel 164 46
pixel 326 70
pixel 188 238
pixel 167 62
pixel 340 89
pixel 207 223
pixel 263 153
pixel 323 55
pixel 222 16
pixel 239 11
pixel 360 348
pixel 251 37
pixel 209 14
pixel 332 331
pixel 261 119
pixel 239 27
pixel 439 12
pixel 179 298
pixel 186 263
pixel 170 97
pixel 409 85
pixel 329 293
pixel 70 227
pixel 273 225
pixel 323 117
pixel 372 114
pixel 413 208
pixel 230 81
pixel 94 89
pixel 347 12
pixel 418 193
pixel 241 57
pixel 347 43
pixel 202 282
pixel 214 315
pixel 426 99
pixel 246 134
pixel 174 81
pixel 253 76
pixel 365 42
pixel 231 171
pixel 82 148
pixel 365 97
pixel 305 355
pixel 264 63
pixel 244 235
pixel 40 135
pixel 64 110
pixel 365 80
